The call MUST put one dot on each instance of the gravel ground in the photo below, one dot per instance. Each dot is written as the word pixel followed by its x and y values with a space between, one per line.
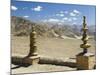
pixel 40 68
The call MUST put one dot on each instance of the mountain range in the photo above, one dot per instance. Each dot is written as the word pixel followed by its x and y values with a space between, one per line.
pixel 22 27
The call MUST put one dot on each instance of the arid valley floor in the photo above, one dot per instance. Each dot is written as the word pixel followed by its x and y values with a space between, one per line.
pixel 51 47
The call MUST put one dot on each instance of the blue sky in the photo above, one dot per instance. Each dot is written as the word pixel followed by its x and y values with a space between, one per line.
pixel 53 12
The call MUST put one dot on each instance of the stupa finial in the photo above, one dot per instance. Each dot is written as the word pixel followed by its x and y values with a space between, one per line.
pixel 85 45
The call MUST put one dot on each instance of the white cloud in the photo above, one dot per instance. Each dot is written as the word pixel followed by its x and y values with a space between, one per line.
pixel 38 8
pixel 76 11
pixel 60 23
pixel 14 8
pixel 74 18
pixel 61 15
pixel 65 18
pixel 74 23
pixel 69 19
pixel 53 20
pixel 26 16
pixel 72 14
pixel 63 12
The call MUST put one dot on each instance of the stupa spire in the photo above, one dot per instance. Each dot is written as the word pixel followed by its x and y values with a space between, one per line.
pixel 33 47
pixel 85 45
